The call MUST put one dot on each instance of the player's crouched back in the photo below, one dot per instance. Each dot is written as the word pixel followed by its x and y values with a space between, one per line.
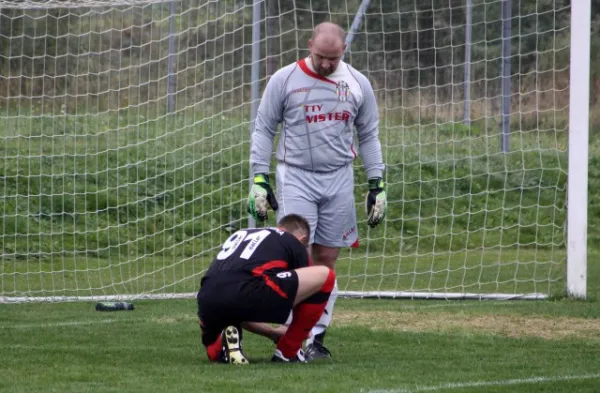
pixel 259 277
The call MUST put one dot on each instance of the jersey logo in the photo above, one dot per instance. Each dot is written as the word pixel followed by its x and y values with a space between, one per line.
pixel 342 90
pixel 348 232
pixel 301 90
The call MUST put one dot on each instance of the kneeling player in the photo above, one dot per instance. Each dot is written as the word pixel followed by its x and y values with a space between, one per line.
pixel 260 276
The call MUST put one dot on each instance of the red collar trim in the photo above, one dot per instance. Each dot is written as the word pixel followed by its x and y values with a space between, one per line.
pixel 304 67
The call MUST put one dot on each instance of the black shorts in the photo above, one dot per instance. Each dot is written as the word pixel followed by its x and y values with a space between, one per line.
pixel 232 298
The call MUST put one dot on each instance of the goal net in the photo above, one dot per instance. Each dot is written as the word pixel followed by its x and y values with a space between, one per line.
pixel 125 129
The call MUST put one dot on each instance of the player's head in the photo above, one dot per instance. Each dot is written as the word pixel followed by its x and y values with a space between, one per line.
pixel 297 226
pixel 326 47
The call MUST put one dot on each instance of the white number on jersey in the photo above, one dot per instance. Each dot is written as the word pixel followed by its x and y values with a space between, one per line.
pixel 234 241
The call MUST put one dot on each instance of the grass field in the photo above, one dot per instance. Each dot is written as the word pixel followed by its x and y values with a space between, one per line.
pixel 378 346
pixel 97 205
pixel 104 204
pixel 102 194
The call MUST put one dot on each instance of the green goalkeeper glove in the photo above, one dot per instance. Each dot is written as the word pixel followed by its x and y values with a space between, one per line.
pixel 261 193
pixel 376 202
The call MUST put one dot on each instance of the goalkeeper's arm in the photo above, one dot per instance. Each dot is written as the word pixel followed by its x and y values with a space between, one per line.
pixel 270 114
pixel 367 130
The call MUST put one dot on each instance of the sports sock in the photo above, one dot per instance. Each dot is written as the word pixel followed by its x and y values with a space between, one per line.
pixel 323 323
pixel 305 315
pixel 214 350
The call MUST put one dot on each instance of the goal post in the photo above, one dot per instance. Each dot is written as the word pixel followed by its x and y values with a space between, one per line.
pixel 125 136
pixel 579 115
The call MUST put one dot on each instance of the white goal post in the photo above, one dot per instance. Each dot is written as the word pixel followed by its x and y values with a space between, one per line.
pixel 125 135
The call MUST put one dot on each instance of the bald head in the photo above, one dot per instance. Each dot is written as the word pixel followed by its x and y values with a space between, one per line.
pixel 330 31
pixel 326 47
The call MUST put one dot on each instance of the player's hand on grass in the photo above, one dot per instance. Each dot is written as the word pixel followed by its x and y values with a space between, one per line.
pixel 261 195
pixel 376 202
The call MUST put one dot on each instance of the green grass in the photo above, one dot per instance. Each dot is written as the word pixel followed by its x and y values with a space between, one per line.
pixel 137 201
pixel 97 205
pixel 396 346
pixel 491 271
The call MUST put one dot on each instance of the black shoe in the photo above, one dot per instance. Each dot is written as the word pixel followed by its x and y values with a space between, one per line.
pixel 231 340
pixel 316 350
pixel 300 357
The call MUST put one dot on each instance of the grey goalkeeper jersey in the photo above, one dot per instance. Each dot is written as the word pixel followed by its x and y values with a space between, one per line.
pixel 318 117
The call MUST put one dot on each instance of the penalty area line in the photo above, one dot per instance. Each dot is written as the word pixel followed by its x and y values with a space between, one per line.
pixel 480 384
pixel 61 324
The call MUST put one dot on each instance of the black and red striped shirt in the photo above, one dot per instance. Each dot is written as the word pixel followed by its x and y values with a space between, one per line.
pixel 259 251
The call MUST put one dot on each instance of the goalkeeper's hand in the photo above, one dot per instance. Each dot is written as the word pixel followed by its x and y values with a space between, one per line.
pixel 261 193
pixel 376 202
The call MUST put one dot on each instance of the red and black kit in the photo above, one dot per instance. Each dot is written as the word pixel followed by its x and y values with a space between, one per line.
pixel 252 279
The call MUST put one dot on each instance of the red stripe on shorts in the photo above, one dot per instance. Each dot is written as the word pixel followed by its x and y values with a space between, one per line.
pixel 259 271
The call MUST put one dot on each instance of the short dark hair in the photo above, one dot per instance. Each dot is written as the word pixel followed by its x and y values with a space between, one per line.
pixel 295 223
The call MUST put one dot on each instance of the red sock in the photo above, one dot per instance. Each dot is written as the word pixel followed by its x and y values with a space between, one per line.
pixel 214 350
pixel 305 316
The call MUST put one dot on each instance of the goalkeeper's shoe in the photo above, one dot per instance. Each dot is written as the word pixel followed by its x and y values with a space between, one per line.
pixel 231 340
pixel 316 350
pixel 300 357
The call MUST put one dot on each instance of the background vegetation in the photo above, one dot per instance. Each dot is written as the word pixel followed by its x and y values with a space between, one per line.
pixel 97 59
pixel 98 178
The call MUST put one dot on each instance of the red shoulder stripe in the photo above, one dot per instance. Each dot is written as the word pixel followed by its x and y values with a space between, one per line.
pixel 304 67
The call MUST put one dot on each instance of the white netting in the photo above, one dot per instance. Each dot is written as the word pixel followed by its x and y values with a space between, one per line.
pixel 52 4
pixel 124 132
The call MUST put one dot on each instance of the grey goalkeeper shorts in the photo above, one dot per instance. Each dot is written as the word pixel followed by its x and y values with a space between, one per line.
pixel 325 199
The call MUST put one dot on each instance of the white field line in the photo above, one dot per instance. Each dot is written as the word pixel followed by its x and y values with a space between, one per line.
pixel 86 348
pixel 107 321
pixel 62 324
pixel 455 303
pixel 481 384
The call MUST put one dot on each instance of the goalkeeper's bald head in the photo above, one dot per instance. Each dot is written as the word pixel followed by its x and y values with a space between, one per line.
pixel 326 47
pixel 329 30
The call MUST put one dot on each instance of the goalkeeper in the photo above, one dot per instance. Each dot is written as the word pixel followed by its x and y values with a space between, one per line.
pixel 319 101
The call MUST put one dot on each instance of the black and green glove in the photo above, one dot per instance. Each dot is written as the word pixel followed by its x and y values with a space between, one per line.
pixel 376 202
pixel 261 194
